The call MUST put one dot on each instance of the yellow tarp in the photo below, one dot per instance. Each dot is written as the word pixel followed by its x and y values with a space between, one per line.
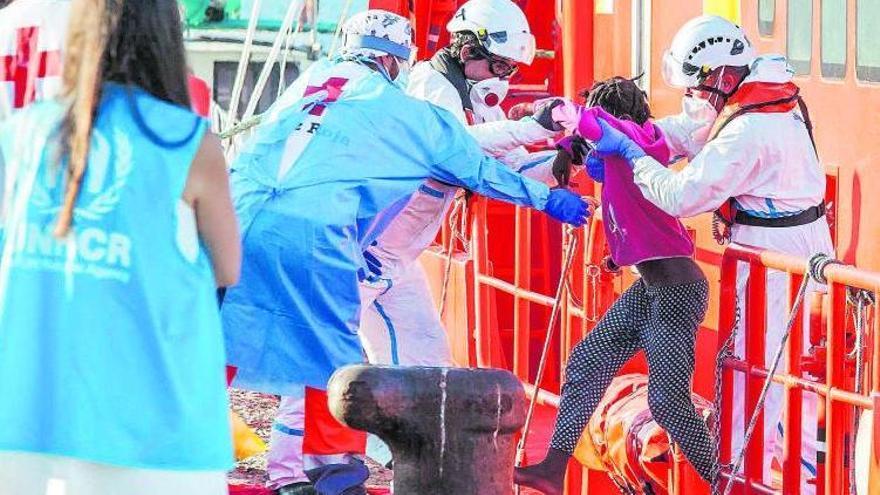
pixel 729 9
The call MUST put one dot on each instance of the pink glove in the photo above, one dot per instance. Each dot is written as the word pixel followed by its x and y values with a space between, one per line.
pixel 588 125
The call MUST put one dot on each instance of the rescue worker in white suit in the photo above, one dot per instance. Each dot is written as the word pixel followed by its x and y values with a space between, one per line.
pixel 757 154
pixel 399 321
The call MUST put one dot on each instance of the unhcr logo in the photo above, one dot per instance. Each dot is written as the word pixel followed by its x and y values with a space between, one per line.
pixel 102 191
pixel 90 249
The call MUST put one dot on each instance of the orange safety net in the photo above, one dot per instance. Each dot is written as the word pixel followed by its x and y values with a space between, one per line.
pixel 623 439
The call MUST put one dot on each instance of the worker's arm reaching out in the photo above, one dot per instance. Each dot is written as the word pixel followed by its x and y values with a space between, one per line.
pixel 460 161
pixel 495 138
pixel 501 136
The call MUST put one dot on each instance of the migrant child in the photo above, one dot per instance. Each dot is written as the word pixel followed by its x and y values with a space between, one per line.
pixel 117 229
pixel 659 313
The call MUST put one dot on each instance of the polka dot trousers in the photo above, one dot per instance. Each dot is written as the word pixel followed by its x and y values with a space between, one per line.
pixel 663 321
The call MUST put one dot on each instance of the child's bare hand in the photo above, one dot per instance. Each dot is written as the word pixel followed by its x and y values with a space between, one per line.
pixel 521 110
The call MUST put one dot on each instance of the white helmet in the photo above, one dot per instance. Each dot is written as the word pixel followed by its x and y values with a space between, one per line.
pixel 702 45
pixel 374 33
pixel 500 25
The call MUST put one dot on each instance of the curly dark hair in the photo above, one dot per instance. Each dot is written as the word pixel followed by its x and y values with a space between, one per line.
pixel 620 97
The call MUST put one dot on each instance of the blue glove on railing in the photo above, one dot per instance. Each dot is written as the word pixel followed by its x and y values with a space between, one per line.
pixel 614 142
pixel 596 168
pixel 567 207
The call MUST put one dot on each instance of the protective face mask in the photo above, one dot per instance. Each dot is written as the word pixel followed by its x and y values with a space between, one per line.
pixel 699 110
pixel 402 79
pixel 488 93
pixel 403 69
pixel 702 115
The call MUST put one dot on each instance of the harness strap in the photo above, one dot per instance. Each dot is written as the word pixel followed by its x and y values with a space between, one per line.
pixel 727 215
pixel 805 217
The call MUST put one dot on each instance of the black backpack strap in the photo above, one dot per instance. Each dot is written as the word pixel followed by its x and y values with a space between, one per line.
pixel 805 113
pixel 444 63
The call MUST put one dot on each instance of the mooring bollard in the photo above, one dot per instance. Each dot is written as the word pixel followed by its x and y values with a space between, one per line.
pixel 451 430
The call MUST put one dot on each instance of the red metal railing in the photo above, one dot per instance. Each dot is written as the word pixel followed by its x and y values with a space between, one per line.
pixel 578 318
pixel 836 390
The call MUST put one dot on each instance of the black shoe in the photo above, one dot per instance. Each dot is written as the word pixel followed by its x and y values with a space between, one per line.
pixel 297 489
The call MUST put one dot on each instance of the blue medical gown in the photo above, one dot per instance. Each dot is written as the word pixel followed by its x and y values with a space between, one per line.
pixel 292 319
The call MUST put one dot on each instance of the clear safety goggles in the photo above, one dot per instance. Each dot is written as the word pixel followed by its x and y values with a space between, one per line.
pixel 500 67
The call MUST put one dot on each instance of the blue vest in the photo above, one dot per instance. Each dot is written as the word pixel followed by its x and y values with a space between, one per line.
pixel 111 348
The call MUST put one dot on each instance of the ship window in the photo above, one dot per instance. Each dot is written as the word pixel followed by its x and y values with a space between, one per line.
pixel 833 38
pixel 800 34
pixel 224 78
pixel 766 17
pixel 867 41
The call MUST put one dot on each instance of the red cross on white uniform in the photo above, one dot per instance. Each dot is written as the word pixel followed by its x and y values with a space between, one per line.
pixel 27 65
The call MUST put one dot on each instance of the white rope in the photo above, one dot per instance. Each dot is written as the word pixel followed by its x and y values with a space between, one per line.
pixel 243 61
pixel 457 226
pixel 282 82
pixel 342 16
pixel 862 300
pixel 292 10
pixel 313 39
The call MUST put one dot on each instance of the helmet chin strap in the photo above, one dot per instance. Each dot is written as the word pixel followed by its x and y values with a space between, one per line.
pixel 715 82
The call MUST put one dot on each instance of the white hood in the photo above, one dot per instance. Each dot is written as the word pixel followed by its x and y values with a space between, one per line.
pixel 770 69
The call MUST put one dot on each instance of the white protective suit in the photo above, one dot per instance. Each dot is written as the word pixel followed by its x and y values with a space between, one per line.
pixel 765 161
pixel 399 319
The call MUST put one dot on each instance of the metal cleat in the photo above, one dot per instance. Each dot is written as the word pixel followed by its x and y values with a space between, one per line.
pixel 451 430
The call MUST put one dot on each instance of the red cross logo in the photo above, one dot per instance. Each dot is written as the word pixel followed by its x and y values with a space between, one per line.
pixel 333 86
pixel 24 70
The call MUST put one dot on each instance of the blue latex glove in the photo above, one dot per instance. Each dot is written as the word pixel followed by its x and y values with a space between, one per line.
pixel 614 142
pixel 596 168
pixel 567 207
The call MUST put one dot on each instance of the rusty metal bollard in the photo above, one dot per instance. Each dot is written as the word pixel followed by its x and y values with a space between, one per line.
pixel 451 430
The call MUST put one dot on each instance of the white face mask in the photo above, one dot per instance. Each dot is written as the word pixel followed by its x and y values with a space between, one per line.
pixel 698 109
pixel 488 93
pixel 403 71
pixel 702 116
